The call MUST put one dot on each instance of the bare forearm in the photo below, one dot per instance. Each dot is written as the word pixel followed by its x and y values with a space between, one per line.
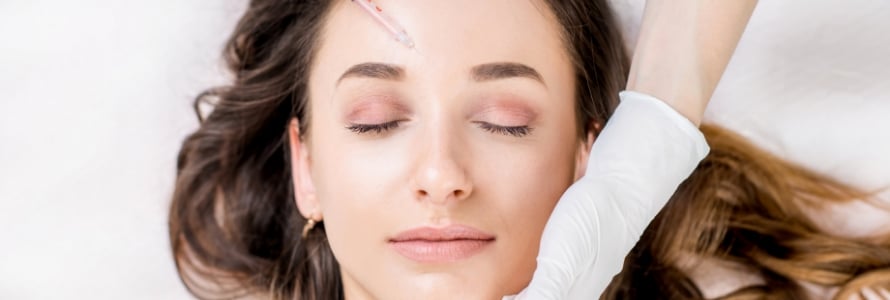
pixel 683 49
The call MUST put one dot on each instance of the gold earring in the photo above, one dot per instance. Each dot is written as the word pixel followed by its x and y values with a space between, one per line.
pixel 309 224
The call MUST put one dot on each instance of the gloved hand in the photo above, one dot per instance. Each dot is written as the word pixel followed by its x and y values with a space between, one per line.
pixel 644 152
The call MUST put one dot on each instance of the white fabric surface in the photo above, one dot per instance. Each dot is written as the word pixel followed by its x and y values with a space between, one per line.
pixel 810 81
pixel 95 99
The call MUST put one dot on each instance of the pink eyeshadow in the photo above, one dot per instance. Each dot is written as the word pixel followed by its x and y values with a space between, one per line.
pixel 505 112
pixel 375 109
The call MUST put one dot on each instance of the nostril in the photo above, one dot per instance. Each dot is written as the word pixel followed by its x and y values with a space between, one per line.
pixel 422 193
pixel 458 193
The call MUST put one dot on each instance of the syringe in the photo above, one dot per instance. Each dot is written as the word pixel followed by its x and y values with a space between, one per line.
pixel 377 13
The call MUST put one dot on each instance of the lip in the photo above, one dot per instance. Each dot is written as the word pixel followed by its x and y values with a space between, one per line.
pixel 445 244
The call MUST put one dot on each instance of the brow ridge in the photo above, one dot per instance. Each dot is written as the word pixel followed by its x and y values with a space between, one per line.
pixel 374 70
pixel 504 70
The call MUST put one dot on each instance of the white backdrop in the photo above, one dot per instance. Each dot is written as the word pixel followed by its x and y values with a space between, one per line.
pixel 94 102
pixel 95 98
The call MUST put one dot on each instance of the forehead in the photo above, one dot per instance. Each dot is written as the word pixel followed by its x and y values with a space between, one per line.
pixel 451 37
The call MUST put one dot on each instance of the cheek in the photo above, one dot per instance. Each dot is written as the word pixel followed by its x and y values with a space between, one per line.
pixel 520 191
pixel 529 182
pixel 529 179
pixel 361 191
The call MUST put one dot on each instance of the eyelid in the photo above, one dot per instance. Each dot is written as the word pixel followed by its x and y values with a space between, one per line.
pixel 509 109
pixel 505 112
pixel 368 110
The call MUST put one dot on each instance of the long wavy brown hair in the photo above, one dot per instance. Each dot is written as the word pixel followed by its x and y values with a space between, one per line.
pixel 745 206
pixel 235 230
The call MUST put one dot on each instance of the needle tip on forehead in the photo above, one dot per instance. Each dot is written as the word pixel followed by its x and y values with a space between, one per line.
pixel 391 25
pixel 405 40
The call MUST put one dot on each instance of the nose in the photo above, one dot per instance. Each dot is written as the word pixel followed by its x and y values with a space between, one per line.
pixel 441 175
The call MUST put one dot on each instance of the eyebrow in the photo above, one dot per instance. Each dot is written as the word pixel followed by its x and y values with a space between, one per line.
pixel 504 70
pixel 480 73
pixel 374 70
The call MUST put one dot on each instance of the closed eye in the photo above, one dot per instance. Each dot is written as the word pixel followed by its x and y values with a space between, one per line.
pixel 517 131
pixel 374 128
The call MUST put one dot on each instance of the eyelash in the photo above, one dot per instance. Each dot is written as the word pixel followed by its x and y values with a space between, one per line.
pixel 376 128
pixel 517 131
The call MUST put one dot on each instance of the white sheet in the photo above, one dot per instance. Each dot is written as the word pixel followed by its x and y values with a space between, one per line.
pixel 810 81
pixel 95 101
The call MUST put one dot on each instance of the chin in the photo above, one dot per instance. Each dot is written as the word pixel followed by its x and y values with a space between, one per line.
pixel 450 286
pixel 455 292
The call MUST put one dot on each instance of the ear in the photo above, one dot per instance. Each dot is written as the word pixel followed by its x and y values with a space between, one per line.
pixel 584 151
pixel 304 189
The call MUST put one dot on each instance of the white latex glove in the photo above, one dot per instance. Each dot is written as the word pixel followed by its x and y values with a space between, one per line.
pixel 645 151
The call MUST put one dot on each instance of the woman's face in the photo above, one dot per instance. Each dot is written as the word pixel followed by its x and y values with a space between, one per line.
pixel 435 169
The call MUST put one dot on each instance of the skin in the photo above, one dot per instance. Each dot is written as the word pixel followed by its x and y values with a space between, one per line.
pixel 683 49
pixel 441 164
